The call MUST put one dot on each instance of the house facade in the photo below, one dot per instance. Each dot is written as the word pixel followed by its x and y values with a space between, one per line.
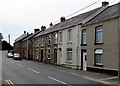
pixel 100 45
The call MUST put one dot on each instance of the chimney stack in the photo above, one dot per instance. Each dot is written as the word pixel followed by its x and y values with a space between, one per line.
pixel 43 28
pixel 36 30
pixel 24 32
pixel 62 19
pixel 104 3
pixel 51 24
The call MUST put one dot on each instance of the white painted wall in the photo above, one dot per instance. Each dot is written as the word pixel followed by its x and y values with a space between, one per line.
pixel 75 45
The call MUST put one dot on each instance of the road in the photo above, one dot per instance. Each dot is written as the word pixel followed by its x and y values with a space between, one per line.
pixel 25 72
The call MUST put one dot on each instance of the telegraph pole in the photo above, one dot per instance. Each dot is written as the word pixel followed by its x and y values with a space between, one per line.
pixel 9 38
pixel 9 42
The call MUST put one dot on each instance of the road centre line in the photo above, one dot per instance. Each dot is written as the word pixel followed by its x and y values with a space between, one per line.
pixel 12 62
pixel 58 80
pixel 20 65
pixel 33 70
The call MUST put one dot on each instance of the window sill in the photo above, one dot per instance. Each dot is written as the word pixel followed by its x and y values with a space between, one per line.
pixel 60 43
pixel 69 62
pixel 98 65
pixel 48 58
pixel 83 44
pixel 98 43
pixel 70 42
pixel 48 44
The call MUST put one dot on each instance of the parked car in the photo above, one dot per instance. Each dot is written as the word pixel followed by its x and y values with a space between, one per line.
pixel 9 55
pixel 17 56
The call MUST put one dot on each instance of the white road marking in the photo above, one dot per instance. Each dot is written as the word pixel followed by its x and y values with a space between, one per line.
pixel 58 80
pixel 12 62
pixel 77 74
pixel 20 65
pixel 33 70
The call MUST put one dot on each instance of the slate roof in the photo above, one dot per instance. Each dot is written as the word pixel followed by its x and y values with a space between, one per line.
pixel 69 23
pixel 111 12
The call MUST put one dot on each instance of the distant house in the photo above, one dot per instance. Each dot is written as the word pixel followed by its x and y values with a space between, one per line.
pixel 18 44
pixel 100 45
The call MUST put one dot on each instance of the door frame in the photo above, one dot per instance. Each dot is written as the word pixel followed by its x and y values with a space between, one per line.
pixel 83 60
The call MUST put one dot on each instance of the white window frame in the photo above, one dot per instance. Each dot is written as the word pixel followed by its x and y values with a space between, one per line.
pixel 98 52
pixel 49 56
pixel 84 34
pixel 49 40
pixel 99 29
pixel 56 38
pixel 42 41
pixel 60 40
pixel 70 35
pixel 69 50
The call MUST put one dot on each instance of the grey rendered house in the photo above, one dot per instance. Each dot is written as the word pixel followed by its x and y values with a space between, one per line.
pixel 100 45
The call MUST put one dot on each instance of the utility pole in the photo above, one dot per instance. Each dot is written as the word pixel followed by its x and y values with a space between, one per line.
pixel 9 38
pixel 9 42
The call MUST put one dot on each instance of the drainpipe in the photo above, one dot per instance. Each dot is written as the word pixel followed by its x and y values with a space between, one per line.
pixel 78 46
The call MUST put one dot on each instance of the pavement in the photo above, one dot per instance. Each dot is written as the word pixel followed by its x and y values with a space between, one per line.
pixel 31 72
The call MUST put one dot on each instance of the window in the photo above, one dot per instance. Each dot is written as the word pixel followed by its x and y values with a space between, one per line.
pixel 49 39
pixel 69 35
pixel 98 57
pixel 69 54
pixel 56 38
pixel 99 34
pixel 41 41
pixel 84 37
pixel 60 36
pixel 60 52
pixel 48 54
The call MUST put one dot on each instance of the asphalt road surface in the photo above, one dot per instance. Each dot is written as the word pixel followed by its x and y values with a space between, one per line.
pixel 17 72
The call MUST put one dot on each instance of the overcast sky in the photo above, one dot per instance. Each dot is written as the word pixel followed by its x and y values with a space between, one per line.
pixel 17 16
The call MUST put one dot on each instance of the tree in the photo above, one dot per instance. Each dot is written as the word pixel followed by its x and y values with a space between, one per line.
pixel 6 45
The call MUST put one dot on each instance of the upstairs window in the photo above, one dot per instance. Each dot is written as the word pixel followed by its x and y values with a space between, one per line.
pixel 84 37
pixel 99 34
pixel 60 36
pixel 49 40
pixel 41 41
pixel 56 38
pixel 69 35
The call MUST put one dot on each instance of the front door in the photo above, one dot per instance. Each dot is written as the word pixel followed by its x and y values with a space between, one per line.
pixel 55 55
pixel 41 56
pixel 84 60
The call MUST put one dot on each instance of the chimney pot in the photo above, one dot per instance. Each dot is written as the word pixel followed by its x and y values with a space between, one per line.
pixel 104 3
pixel 24 31
pixel 62 19
pixel 43 28
pixel 36 30
pixel 51 24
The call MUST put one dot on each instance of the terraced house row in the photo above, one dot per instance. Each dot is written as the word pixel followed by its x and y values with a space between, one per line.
pixel 89 41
